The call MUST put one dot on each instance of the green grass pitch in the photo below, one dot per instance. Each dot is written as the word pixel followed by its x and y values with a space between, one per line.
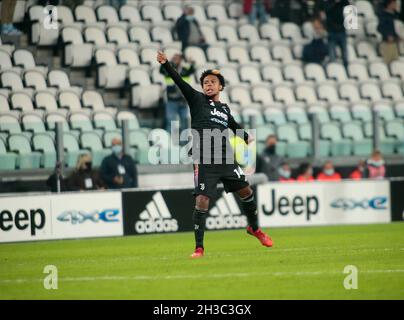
pixel 305 263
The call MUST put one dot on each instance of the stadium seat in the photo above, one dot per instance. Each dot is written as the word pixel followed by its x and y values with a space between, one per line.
pixel 92 142
pixel 361 112
pixel 254 115
pixel 34 124
pixel 144 94
pixel 9 124
pixel 250 33
pixel 153 14
pixel 148 55
pixel 196 54
pixel 339 145
pixel 294 73
pixel 72 150
pixel 36 80
pixel 361 146
pixel 138 140
pixel 284 93
pixel 262 94
pixel 306 93
pixel 241 95
pixel 239 54
pixel 210 36
pixel 140 35
pixel 349 92
pixel 130 58
pixel 93 100
pixel 7 159
pixel 97 37
pixel 76 53
pixel 71 101
pixel 283 53
pixel 379 70
pixel 60 80
pixel 6 63
pixel 386 144
pixel 395 128
pixel 392 90
pixel 105 121
pixel 87 15
pixel 119 36
pixel 40 35
pixel 66 18
pixel 365 8
pixel 131 15
pixel 23 102
pixel 261 54
pixel 397 69
pixel 337 72
pixel 327 92
pixel 110 74
pixel 250 74
pixel 367 50
pixel 217 12
pixel 172 12
pixel 24 59
pixel 321 112
pixel 274 116
pixel 109 16
pixel 399 109
pixel 130 116
pixel 44 144
pixel 292 32
pixel 385 111
pixel 371 91
pixel 163 35
pixel 295 147
pixel 297 115
pixel 11 80
pixel 27 158
pixel 305 133
pixel 340 113
pixel 272 33
pixel 218 55
pixel 273 74
pixel 230 74
pixel 358 71
pixel 315 72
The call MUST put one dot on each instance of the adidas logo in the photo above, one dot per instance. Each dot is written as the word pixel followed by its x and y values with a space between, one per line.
pixel 156 217
pixel 226 214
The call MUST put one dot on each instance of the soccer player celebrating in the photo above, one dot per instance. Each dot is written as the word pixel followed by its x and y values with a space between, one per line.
pixel 208 114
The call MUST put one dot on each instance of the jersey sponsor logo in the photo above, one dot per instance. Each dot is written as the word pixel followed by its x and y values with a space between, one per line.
pixel 226 214
pixel 219 114
pixel 156 217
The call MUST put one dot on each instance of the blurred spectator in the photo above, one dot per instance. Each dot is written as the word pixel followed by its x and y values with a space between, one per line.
pixel 53 182
pixel 7 13
pixel 84 177
pixel 360 172
pixel 117 3
pixel 118 170
pixel 328 173
pixel 375 165
pixel 333 12
pixel 256 9
pixel 306 173
pixel 290 10
pixel 390 38
pixel 44 3
pixel 268 161
pixel 176 104
pixel 188 30
pixel 285 173
pixel 317 50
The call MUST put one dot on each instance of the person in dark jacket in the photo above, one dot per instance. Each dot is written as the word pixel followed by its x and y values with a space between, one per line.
pixel 176 104
pixel 269 162
pixel 390 38
pixel 84 177
pixel 333 12
pixel 118 170
pixel 189 31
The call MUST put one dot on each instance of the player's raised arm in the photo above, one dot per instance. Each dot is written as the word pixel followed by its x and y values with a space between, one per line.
pixel 185 88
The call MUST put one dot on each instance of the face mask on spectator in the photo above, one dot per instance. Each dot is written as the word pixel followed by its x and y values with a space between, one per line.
pixel 376 163
pixel 284 173
pixel 329 172
pixel 117 149
pixel 88 166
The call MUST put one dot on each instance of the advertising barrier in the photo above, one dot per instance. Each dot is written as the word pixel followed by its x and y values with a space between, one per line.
pixel 73 215
pixel 320 203
pixel 171 211
pixel 397 199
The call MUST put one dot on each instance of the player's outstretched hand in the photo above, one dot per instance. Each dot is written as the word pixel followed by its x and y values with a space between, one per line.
pixel 161 57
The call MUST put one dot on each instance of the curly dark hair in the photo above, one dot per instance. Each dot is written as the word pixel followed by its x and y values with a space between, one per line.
pixel 214 72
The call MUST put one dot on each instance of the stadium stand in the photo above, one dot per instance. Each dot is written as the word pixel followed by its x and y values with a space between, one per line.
pixel 99 67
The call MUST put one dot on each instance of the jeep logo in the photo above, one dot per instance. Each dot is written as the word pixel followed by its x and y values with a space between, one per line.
pixel 34 220
pixel 297 205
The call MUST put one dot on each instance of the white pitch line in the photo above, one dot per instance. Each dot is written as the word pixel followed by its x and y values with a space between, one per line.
pixel 193 276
